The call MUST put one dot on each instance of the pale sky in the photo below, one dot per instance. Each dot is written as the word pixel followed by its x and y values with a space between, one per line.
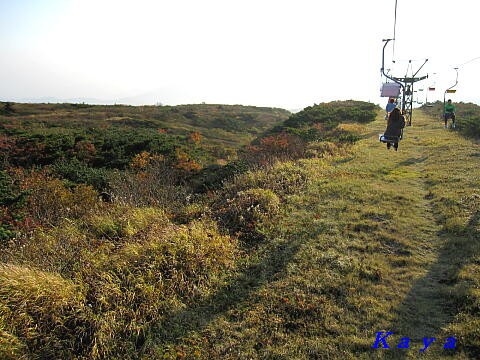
pixel 288 54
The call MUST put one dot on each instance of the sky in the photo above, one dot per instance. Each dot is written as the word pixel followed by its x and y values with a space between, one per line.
pixel 288 54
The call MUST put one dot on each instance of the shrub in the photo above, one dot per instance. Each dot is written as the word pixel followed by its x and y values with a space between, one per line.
pixel 157 185
pixel 283 179
pixel 470 126
pixel 280 147
pixel 213 177
pixel 50 201
pixel 334 113
pixel 249 213
pixel 80 173
pixel 12 202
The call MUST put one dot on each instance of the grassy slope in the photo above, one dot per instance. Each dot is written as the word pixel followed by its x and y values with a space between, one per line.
pixel 378 240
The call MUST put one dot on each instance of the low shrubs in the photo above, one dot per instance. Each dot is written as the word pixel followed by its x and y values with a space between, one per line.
pixel 283 178
pixel 50 202
pixel 274 148
pixel 249 213
pixel 155 185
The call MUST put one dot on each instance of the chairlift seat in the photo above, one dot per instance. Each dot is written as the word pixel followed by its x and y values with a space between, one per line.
pixel 389 139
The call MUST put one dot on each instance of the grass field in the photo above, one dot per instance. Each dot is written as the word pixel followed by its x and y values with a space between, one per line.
pixel 373 241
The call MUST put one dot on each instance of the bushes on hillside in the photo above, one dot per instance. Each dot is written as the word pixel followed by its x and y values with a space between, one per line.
pixel 155 184
pixel 50 201
pixel 333 113
pixel 270 149
pixel 12 202
pixel 78 172
pixel 248 213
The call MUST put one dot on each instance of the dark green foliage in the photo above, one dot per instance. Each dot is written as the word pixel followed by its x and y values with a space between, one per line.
pixel 81 173
pixel 322 122
pixel 116 147
pixel 7 109
pixel 213 177
pixel 7 193
pixel 333 113
pixel 11 202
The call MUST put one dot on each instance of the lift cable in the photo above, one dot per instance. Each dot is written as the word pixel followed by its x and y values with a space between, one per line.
pixel 394 31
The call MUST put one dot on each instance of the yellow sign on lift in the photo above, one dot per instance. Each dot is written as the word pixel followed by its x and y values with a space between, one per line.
pixel 451 91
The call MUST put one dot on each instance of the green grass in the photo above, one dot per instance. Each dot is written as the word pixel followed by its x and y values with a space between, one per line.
pixel 377 240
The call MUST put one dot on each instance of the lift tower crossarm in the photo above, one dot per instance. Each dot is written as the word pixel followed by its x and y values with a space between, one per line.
pixel 411 79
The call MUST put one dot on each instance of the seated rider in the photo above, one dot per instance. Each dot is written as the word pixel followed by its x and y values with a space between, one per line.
pixel 395 124
pixel 390 106
pixel 449 113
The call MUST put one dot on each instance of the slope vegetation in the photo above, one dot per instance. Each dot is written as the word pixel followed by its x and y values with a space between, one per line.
pixel 373 241
pixel 324 241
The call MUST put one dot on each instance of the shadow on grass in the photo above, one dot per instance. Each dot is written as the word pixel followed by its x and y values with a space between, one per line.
pixel 412 161
pixel 270 266
pixel 429 306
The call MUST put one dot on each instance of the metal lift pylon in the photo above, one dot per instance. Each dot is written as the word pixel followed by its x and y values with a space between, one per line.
pixel 406 84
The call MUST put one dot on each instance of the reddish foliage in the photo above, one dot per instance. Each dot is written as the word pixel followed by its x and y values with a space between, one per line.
pixel 184 162
pixel 195 137
pixel 281 147
pixel 85 150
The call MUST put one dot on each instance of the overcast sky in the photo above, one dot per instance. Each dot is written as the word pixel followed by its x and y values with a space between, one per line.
pixel 288 54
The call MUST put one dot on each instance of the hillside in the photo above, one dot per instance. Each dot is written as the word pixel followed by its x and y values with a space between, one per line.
pixel 324 240
pixel 374 241
pixel 60 128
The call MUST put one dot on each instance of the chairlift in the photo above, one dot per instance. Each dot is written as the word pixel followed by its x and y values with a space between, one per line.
pixel 390 139
pixel 390 90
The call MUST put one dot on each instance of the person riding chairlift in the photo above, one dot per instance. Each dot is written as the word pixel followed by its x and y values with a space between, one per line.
pixel 449 113
pixel 390 106
pixel 395 124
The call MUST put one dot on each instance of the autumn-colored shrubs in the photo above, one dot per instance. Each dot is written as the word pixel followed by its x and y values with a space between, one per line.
pixel 50 201
pixel 274 148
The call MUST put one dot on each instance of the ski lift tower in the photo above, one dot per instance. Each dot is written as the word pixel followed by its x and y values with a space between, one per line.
pixel 406 85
